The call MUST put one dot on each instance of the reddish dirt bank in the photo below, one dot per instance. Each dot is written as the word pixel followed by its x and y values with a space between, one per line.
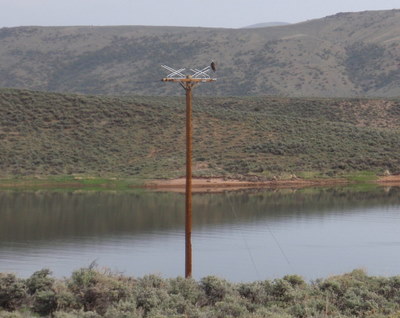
pixel 389 180
pixel 221 184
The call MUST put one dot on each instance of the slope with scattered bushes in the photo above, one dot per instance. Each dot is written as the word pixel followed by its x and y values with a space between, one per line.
pixel 47 134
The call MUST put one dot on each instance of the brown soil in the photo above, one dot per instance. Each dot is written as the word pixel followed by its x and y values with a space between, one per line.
pixel 44 185
pixel 223 184
pixel 390 180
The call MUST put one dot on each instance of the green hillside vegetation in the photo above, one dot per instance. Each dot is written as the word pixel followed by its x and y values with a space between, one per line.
pixel 90 293
pixel 49 134
pixel 344 55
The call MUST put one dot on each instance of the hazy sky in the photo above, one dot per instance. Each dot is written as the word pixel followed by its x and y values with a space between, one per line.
pixel 206 13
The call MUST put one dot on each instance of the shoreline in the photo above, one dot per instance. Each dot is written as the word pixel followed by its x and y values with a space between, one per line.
pixel 199 184
pixel 219 184
pixel 389 180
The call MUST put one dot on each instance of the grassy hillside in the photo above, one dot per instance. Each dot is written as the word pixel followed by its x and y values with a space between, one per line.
pixel 345 55
pixel 62 134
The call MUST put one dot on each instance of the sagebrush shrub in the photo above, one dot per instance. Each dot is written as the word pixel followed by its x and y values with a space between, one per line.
pixel 97 291
pixel 12 291
pixel 40 281
pixel 215 288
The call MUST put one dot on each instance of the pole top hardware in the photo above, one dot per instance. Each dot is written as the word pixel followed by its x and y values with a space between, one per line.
pixel 198 76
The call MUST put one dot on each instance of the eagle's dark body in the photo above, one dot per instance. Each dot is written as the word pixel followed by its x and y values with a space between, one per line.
pixel 213 66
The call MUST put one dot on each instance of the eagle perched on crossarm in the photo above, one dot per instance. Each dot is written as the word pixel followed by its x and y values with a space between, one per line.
pixel 213 66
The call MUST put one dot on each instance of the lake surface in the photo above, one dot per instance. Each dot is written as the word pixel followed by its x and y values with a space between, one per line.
pixel 241 236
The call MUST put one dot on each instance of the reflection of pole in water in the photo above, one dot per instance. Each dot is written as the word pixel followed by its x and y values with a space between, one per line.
pixel 188 82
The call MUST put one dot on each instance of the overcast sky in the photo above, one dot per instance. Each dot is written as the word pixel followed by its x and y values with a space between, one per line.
pixel 205 13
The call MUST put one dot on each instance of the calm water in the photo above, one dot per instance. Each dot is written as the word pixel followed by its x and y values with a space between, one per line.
pixel 240 236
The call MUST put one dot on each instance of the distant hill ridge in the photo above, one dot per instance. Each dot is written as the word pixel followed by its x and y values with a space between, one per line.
pixel 347 54
pixel 265 25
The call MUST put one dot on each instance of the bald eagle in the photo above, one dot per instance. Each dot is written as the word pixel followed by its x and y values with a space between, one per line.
pixel 213 66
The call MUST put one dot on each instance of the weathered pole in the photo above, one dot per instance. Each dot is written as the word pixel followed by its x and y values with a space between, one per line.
pixel 188 82
pixel 188 202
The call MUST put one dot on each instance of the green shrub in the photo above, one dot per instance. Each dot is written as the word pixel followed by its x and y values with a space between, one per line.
pixel 331 286
pixel 12 292
pixel 295 280
pixel 151 281
pixel 271 312
pixel 77 314
pixel 390 288
pixel 62 314
pixel 150 298
pixel 15 314
pixel 44 302
pixel 187 288
pixel 66 299
pixel 97 291
pixel 39 281
pixel 123 309
pixel 215 288
pixel 361 301
pixel 299 310
pixel 230 307
pixel 282 290
pixel 253 292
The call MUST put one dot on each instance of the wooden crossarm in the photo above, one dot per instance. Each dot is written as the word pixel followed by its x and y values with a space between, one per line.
pixel 185 80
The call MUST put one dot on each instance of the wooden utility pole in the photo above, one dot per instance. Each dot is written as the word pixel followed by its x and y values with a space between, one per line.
pixel 188 196
pixel 188 82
